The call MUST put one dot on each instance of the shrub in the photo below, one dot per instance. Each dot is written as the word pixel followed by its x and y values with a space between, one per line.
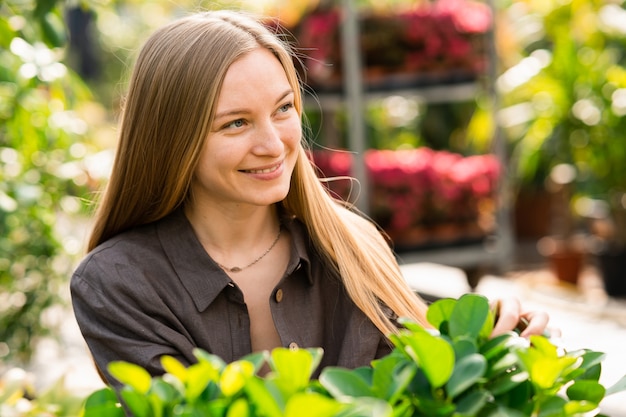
pixel 455 370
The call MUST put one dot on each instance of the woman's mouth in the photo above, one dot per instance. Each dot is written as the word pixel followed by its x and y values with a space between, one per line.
pixel 262 170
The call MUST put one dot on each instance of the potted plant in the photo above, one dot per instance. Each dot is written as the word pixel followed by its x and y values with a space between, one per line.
pixel 565 102
pixel 454 369
pixel 607 219
pixel 565 247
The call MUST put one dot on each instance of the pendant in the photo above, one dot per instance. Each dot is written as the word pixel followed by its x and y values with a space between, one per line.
pixel 234 269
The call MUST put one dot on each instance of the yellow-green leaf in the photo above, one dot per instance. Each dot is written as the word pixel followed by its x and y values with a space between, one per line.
pixel 132 375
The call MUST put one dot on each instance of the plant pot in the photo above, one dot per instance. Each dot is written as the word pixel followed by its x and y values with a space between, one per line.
pixel 612 266
pixel 566 256
pixel 567 265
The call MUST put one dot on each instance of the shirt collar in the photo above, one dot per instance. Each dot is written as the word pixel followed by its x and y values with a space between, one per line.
pixel 199 273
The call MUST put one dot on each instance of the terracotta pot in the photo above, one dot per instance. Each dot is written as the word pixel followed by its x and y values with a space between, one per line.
pixel 567 265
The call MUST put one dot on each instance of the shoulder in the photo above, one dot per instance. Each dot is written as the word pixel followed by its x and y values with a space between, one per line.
pixel 124 248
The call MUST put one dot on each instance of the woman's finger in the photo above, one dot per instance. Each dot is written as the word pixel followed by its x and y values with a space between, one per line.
pixel 508 313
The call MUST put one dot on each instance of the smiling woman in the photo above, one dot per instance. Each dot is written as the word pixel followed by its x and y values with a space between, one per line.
pixel 211 170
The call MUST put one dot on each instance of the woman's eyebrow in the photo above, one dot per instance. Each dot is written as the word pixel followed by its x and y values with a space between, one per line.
pixel 237 112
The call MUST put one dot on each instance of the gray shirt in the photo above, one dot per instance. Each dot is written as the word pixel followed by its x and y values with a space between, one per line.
pixel 154 291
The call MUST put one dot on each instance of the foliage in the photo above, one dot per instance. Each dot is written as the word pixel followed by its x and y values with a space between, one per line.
pixel 39 179
pixel 565 98
pixel 455 370
pixel 18 398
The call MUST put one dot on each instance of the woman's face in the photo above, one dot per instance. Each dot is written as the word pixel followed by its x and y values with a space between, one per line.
pixel 251 150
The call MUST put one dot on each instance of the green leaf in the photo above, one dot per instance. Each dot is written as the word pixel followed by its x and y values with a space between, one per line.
pixel 343 383
pixel 44 7
pixel 235 376
pixel 103 403
pixel 496 346
pixel 471 404
pixel 132 375
pixel 101 397
pixel 468 316
pixel 464 347
pixel 199 376
pixel 262 398
pixel 239 408
pixel 466 372
pixel 136 402
pixel 392 374
pixel 256 358
pixel 311 404
pixel 440 311
pixel 552 406
pixel 366 407
pixel 503 364
pixel 505 412
pixel 579 408
pixel 543 364
pixel 203 356
pixel 173 366
pixel 585 390
pixel 508 382
pixel 163 391
pixel 52 30
pixel 433 354
pixel 292 368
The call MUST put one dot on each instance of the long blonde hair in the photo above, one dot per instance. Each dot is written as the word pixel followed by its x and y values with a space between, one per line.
pixel 168 110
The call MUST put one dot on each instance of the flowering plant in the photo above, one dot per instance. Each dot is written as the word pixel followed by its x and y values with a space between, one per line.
pixel 417 42
pixel 422 191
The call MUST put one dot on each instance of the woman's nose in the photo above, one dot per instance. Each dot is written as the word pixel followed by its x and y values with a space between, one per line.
pixel 268 140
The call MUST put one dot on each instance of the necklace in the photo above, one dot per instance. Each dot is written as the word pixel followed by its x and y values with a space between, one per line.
pixel 241 268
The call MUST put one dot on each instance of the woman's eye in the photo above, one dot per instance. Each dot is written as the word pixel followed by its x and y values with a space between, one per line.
pixel 285 107
pixel 235 124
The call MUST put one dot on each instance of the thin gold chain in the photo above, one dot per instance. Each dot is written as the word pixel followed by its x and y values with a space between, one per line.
pixel 239 269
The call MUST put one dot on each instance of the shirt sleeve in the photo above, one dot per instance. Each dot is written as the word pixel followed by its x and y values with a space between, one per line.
pixel 122 319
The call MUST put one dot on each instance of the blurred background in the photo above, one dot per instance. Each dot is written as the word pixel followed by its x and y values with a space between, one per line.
pixel 486 137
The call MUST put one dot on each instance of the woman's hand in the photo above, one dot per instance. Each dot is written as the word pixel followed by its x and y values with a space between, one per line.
pixel 510 316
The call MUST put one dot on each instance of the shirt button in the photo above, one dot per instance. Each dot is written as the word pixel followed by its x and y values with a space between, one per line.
pixel 279 295
pixel 293 346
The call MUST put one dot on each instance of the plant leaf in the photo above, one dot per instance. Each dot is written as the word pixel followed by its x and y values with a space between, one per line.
pixel 343 383
pixel 366 407
pixel 239 408
pixel 392 374
pixel 311 404
pixel 433 354
pixel 468 316
pixel 234 377
pixel 173 366
pixel 292 368
pixel 136 402
pixel 471 404
pixel 103 403
pixel 132 375
pixel 199 376
pixel 585 390
pixel 262 397
pixel 466 372
pixel 440 311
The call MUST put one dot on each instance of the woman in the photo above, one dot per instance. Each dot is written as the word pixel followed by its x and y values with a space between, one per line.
pixel 214 230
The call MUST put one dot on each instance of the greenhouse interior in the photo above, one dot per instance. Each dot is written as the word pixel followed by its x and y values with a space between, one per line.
pixel 485 139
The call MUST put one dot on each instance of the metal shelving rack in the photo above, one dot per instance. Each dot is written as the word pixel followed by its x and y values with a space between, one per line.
pixel 496 250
